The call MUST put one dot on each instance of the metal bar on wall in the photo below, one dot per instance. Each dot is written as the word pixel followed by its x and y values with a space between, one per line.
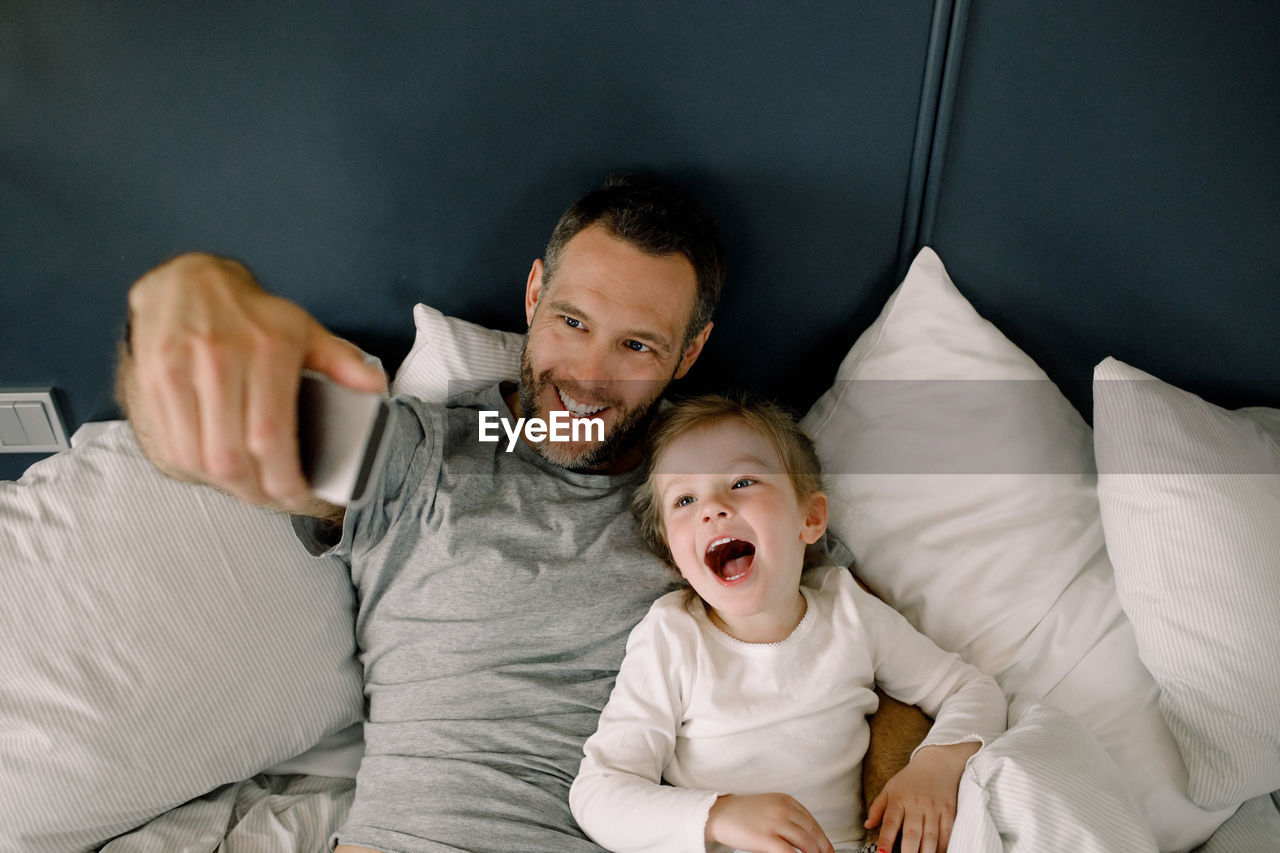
pixel 942 130
pixel 937 102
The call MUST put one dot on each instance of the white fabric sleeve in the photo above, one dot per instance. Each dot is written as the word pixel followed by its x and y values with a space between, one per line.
pixel 965 704
pixel 618 798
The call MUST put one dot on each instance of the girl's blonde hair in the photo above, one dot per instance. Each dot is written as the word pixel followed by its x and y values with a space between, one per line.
pixel 795 450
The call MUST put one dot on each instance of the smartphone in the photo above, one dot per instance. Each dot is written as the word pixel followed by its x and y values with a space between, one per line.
pixel 342 436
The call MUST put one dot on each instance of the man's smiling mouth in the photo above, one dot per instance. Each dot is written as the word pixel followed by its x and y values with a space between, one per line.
pixel 575 407
pixel 730 559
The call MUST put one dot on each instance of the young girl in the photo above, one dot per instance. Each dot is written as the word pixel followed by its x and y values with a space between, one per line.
pixel 749 696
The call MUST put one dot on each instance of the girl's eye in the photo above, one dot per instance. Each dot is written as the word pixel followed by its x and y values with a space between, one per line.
pixel 573 323
pixel 743 482
pixel 683 500
pixel 636 346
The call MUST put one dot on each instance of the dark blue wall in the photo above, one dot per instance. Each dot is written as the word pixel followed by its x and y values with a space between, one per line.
pixel 362 157
pixel 1111 187
pixel 1100 178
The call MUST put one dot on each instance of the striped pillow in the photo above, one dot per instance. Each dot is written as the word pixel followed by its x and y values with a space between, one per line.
pixel 1254 828
pixel 1190 498
pixel 159 640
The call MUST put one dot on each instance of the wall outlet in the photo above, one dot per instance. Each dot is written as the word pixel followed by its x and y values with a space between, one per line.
pixel 30 423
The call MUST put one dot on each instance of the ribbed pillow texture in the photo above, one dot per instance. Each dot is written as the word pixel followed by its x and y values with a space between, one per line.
pixel 160 640
pixel 1190 497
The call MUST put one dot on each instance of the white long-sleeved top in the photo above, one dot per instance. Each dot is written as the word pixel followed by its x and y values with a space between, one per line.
pixel 713 715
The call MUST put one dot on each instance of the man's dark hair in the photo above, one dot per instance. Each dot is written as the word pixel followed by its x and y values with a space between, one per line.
pixel 658 218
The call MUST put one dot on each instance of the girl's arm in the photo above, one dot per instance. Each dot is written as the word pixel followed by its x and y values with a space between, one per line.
pixel 969 710
pixel 617 797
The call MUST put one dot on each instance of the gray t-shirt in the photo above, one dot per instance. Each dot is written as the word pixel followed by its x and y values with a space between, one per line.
pixel 496 593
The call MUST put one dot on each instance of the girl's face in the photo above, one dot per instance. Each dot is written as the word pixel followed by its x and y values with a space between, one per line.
pixel 735 525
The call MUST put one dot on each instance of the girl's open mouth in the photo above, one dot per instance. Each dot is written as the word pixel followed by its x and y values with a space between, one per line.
pixel 730 559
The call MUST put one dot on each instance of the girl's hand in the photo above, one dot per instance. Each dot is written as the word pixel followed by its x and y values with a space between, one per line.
pixel 765 823
pixel 921 800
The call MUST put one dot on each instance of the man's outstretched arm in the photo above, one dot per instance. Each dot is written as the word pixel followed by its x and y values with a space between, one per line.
pixel 209 379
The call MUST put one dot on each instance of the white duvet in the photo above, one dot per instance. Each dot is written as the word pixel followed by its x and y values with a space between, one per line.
pixel 1042 787
pixel 1046 785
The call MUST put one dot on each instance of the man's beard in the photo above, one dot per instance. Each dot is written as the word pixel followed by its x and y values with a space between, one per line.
pixel 630 428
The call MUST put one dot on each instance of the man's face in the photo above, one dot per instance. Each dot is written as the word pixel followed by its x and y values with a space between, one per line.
pixel 605 338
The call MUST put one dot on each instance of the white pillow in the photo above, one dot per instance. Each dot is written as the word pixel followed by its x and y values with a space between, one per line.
pixel 1191 505
pixel 452 357
pixel 958 473
pixel 160 640
pixel 963 482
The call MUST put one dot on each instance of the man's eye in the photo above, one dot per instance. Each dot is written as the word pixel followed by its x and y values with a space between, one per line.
pixel 742 482
pixel 683 500
pixel 636 346
pixel 573 323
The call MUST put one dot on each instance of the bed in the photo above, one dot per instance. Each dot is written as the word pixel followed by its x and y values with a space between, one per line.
pixel 1015 263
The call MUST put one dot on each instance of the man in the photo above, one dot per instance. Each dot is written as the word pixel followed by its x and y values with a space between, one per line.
pixel 496 588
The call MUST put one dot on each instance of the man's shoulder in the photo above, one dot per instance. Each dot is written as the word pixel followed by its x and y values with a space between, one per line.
pixel 457 415
pixel 461 402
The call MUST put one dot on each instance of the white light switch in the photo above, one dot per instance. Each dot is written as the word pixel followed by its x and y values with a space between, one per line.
pixel 35 422
pixel 11 431
pixel 30 423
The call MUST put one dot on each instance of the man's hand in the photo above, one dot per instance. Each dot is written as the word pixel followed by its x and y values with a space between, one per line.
pixel 921 800
pixel 765 823
pixel 210 377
